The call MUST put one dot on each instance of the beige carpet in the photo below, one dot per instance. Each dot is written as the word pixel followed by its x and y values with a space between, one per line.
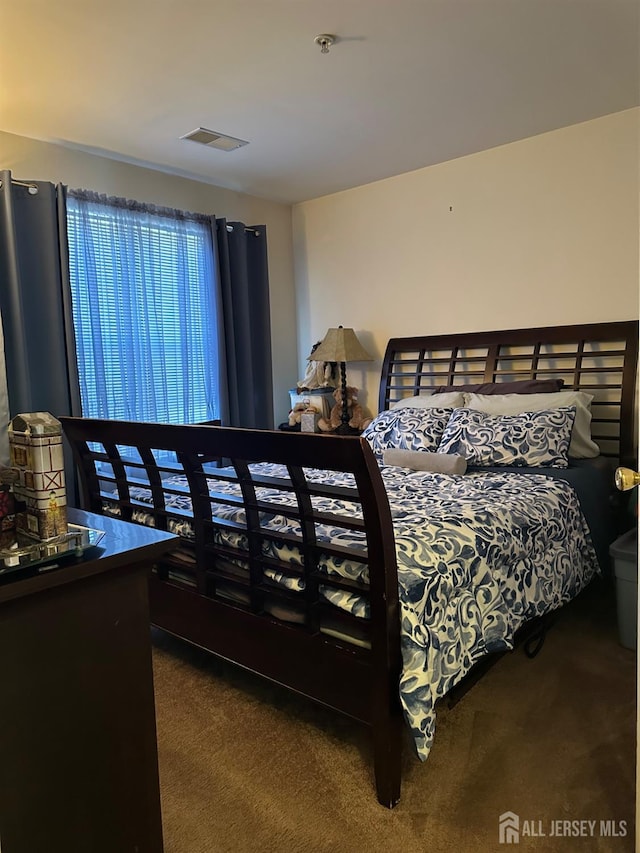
pixel 244 766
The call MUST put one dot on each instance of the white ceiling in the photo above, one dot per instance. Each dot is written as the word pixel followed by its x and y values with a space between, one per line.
pixel 409 83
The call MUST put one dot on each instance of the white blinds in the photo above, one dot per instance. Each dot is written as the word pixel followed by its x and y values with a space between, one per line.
pixel 143 292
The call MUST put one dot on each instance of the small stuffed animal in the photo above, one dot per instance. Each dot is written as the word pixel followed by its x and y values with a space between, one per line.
pixel 357 417
pixel 319 374
pixel 295 415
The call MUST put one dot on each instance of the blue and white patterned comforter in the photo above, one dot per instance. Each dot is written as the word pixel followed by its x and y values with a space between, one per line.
pixel 478 555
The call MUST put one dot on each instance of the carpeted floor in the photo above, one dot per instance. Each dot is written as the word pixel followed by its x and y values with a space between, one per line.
pixel 244 766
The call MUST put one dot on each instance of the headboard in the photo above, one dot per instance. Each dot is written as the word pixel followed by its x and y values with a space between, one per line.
pixel 599 358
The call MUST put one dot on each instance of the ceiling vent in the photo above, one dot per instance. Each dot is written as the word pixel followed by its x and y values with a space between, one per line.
pixel 212 139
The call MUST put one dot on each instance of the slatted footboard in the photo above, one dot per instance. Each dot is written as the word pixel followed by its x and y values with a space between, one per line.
pixel 288 577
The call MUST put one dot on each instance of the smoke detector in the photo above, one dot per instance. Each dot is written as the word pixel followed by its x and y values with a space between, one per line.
pixel 324 42
pixel 213 139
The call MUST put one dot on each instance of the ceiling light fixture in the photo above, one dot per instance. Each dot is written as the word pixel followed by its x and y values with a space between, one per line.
pixel 325 41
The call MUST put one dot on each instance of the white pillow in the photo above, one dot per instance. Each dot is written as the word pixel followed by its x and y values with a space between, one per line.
pixel 582 446
pixel 448 400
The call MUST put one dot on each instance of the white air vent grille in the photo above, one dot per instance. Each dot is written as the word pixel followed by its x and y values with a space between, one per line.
pixel 212 139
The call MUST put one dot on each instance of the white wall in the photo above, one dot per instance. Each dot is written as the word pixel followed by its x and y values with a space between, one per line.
pixel 32 160
pixel 539 232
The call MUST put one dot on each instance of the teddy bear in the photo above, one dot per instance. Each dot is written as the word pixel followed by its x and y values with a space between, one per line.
pixel 357 418
pixel 295 415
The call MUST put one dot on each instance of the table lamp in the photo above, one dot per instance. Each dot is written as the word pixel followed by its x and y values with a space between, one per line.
pixel 341 345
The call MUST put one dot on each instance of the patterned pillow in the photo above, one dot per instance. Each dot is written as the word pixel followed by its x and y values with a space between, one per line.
pixel 531 439
pixel 406 429
pixel 582 445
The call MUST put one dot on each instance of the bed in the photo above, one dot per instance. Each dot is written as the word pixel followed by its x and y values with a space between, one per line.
pixel 375 589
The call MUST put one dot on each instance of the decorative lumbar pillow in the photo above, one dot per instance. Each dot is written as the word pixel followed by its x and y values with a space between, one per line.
pixel 531 439
pixel 524 386
pixel 406 429
pixel 424 460
pixel 431 401
pixel 582 445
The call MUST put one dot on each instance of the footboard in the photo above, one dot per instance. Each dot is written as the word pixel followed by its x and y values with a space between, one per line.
pixel 287 561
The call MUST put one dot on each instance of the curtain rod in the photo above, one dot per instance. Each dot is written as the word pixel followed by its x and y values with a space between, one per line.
pixel 33 189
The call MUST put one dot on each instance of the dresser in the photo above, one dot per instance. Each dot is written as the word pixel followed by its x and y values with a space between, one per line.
pixel 78 753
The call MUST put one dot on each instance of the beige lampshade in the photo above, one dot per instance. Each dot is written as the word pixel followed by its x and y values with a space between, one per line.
pixel 340 345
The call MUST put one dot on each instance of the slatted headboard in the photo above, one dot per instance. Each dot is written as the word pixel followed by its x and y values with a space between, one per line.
pixel 599 358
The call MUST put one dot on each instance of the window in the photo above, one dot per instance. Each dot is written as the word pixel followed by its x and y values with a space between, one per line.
pixel 144 311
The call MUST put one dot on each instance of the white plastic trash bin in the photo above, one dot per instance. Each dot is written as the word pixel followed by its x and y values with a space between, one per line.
pixel 625 563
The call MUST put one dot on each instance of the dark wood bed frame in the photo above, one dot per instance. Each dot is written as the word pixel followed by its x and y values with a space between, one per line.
pixel 189 590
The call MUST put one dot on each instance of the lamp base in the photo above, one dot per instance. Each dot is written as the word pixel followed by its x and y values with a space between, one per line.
pixel 345 429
